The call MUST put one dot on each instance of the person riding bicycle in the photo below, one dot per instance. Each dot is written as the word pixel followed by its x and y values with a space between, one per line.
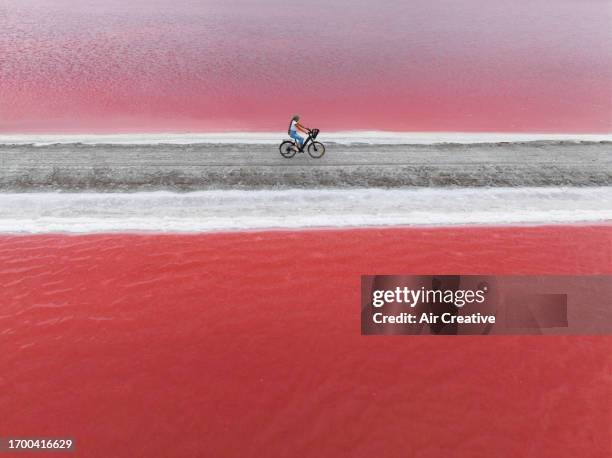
pixel 297 144
pixel 294 127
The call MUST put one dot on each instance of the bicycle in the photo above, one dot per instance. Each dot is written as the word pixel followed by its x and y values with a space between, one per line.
pixel 316 150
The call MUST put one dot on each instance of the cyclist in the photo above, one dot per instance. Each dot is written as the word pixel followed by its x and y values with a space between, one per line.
pixel 294 127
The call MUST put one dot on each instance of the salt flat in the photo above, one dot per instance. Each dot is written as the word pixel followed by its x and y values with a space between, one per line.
pixel 201 166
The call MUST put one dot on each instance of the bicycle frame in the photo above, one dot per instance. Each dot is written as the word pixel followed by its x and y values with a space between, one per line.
pixel 308 139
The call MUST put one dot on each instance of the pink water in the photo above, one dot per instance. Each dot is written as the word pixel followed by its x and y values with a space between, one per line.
pixel 248 344
pixel 186 65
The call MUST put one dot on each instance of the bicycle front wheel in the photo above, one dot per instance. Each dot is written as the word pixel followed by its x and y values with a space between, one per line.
pixel 316 150
pixel 287 149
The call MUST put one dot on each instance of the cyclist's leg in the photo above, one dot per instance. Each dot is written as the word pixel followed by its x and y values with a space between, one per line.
pixel 298 138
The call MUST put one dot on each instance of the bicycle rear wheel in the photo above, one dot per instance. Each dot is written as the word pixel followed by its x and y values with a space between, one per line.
pixel 287 149
pixel 316 150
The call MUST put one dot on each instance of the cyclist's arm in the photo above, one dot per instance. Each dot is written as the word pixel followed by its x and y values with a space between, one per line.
pixel 301 127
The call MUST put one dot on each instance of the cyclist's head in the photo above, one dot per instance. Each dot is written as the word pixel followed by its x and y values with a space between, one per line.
pixel 295 118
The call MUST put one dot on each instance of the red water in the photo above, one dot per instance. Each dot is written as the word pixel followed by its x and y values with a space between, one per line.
pixel 186 65
pixel 248 344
